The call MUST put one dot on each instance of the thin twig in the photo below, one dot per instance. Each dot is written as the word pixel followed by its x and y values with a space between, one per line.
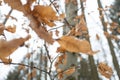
pixel 47 52
pixel 55 28
pixel 59 14
pixel 55 58
pixel 26 66
pixel 51 2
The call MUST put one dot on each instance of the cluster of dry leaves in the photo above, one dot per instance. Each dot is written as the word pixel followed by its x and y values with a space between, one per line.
pixel 114 27
pixel 8 47
pixel 62 59
pixel 11 29
pixel 40 16
pixel 115 30
pixel 105 70
pixel 72 44
pixel 80 29
pixel 40 13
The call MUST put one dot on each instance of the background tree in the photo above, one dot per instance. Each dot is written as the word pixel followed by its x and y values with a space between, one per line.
pixel 115 11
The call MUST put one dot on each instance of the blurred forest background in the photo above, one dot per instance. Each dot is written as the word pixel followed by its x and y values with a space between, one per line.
pixel 95 22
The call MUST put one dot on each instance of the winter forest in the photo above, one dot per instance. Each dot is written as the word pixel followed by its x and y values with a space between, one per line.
pixel 59 39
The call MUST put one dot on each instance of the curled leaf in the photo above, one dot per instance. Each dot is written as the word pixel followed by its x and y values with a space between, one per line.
pixel 61 50
pixel 11 29
pixel 69 71
pixel 46 14
pixel 15 4
pixel 8 47
pixel 105 70
pixel 73 44
pixel 43 33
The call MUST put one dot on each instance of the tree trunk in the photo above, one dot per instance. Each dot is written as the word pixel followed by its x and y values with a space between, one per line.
pixel 40 64
pixel 115 62
pixel 45 66
pixel 71 13
pixel 93 72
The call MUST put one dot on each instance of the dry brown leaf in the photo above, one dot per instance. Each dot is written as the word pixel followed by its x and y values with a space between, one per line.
pixel 60 74
pixel 65 59
pixel 80 28
pixel 5 60
pixel 72 32
pixel 105 70
pixel 56 65
pixel 72 44
pixel 40 30
pixel 45 35
pixel 56 32
pixel 45 14
pixel 30 1
pixel 61 50
pixel 2 27
pixel 27 6
pixel 15 4
pixel 51 33
pixel 62 59
pixel 82 25
pixel 11 29
pixel 62 15
pixel 69 71
pixel 8 47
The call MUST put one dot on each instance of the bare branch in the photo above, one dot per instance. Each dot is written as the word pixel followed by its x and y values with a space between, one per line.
pixel 47 52
pixel 26 66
